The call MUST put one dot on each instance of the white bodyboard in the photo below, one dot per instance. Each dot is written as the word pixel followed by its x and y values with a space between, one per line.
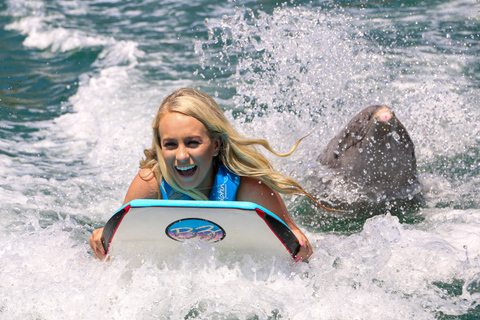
pixel 162 226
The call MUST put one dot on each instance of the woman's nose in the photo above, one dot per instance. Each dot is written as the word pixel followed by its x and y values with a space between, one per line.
pixel 182 154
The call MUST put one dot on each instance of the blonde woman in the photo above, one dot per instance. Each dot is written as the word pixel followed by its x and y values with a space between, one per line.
pixel 194 151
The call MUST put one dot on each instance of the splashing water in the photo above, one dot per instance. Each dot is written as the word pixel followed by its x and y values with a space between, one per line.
pixel 92 74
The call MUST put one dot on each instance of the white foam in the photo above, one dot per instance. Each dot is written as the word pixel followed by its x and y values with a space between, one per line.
pixel 123 52
pixel 41 36
pixel 363 273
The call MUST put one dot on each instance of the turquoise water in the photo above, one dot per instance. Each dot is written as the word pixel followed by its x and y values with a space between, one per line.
pixel 81 80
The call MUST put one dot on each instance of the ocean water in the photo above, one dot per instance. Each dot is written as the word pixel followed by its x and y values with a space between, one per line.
pixel 80 82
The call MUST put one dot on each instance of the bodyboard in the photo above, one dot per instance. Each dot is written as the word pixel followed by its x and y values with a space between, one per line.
pixel 161 226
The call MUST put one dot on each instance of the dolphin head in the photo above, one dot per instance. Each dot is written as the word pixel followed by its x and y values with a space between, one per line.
pixel 374 151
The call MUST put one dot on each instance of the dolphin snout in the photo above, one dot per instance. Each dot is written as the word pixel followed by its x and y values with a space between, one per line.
pixel 384 114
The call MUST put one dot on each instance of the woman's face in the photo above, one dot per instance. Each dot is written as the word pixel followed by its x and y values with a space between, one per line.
pixel 188 151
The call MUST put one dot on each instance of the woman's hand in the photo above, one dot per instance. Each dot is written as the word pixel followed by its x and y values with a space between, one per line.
pixel 306 249
pixel 97 244
pixel 144 186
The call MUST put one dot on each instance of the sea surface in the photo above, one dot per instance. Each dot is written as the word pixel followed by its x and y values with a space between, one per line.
pixel 80 82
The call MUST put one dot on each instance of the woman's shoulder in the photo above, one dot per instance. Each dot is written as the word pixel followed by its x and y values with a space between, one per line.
pixel 143 186
pixel 252 188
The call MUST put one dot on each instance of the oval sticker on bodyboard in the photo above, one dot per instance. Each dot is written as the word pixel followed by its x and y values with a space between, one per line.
pixel 193 228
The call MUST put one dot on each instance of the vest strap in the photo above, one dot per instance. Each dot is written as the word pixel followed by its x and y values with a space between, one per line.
pixel 225 187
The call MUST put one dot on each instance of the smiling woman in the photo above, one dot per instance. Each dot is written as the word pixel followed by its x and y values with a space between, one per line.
pixel 197 155
pixel 188 151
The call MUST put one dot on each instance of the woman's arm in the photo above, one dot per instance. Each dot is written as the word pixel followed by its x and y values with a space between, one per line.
pixel 143 186
pixel 255 191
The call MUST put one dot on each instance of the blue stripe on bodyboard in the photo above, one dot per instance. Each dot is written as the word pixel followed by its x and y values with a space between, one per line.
pixel 141 203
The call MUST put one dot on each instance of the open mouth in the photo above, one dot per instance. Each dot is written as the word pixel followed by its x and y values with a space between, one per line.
pixel 186 171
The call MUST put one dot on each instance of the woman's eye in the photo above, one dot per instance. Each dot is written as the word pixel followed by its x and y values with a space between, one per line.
pixel 193 144
pixel 169 145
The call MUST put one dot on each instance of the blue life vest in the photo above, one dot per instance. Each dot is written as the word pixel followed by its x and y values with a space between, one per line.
pixel 224 187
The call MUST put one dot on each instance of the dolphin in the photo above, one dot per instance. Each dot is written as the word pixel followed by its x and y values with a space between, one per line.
pixel 373 161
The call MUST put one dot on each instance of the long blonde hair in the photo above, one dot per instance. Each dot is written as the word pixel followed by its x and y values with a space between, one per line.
pixel 238 154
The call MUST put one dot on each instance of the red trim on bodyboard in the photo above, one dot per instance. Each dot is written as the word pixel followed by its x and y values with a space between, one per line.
pixel 112 226
pixel 293 247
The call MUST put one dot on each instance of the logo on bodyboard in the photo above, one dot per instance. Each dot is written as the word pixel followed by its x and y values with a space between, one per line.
pixel 192 228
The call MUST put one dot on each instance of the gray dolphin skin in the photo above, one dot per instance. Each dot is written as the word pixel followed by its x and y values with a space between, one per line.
pixel 374 156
